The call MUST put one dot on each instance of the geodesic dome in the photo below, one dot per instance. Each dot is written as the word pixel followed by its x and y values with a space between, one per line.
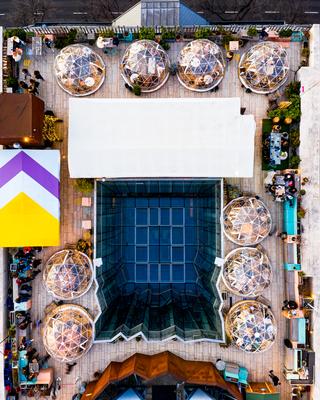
pixel 68 332
pixel 79 70
pixel 264 67
pixel 200 65
pixel 251 326
pixel 246 221
pixel 146 64
pixel 68 274
pixel 247 271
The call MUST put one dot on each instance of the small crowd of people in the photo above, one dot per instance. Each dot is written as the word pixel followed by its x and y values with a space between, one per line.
pixel 34 81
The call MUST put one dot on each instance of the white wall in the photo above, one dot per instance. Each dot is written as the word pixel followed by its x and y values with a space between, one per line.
pixel 132 17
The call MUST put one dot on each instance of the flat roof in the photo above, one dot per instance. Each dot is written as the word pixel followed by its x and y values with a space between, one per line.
pixel 161 138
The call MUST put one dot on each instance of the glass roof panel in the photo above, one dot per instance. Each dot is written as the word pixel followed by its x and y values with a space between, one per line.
pixel 68 332
pixel 200 65
pixel 264 67
pixel 79 70
pixel 68 274
pixel 251 326
pixel 146 64
pixel 246 221
pixel 247 271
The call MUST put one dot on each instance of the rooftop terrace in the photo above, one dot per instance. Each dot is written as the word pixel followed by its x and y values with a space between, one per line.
pixel 72 214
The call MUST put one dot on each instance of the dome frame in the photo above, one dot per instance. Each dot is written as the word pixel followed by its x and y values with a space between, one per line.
pixel 68 274
pixel 141 57
pixel 68 332
pixel 79 70
pixel 251 326
pixel 264 68
pixel 246 271
pixel 198 60
pixel 246 221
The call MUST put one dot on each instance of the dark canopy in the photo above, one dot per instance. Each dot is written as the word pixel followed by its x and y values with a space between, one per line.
pixel 21 119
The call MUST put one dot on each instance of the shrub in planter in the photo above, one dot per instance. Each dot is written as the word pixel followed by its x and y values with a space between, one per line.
pixel 293 89
pixel 8 33
pixel 294 161
pixel 165 45
pixel 12 82
pixel 84 185
pixel 136 90
pixel 284 33
pixel 294 139
pixel 252 31
pixel 167 34
pixel 305 52
pixel 107 33
pixel 147 33
pixel 202 33
pixel 301 213
pixel 302 192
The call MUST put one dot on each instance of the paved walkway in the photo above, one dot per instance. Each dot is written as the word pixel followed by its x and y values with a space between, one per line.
pixel 101 354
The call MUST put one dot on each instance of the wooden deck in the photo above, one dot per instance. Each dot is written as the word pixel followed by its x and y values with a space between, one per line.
pixel 72 214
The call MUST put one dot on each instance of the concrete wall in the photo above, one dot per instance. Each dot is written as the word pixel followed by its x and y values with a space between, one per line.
pixel 310 167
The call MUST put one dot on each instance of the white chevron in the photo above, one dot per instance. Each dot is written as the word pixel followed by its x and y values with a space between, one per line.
pixel 24 183
pixel 48 159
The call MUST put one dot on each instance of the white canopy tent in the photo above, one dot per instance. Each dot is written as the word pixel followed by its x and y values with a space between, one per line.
pixel 160 138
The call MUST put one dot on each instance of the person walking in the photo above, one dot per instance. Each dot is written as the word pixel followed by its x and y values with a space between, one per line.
pixel 38 76
pixel 274 378
pixel 26 73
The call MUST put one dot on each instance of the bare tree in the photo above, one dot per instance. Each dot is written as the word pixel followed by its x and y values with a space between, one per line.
pixel 28 12
pixel 290 11
pixel 106 10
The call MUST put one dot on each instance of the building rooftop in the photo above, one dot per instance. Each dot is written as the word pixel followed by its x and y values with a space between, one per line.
pixel 73 214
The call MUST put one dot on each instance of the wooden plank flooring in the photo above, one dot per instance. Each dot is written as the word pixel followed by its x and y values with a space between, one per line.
pixel 71 214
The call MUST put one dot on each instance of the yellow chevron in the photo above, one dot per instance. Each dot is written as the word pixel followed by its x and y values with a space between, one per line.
pixel 24 223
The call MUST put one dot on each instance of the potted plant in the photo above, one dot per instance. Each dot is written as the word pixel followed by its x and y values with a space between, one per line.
pixel 84 185
pixel 252 31
pixel 12 82
pixel 136 90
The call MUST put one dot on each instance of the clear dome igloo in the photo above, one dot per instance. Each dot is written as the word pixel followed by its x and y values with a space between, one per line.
pixel 68 332
pixel 146 64
pixel 200 65
pixel 264 67
pixel 246 221
pixel 68 274
pixel 79 70
pixel 251 326
pixel 247 271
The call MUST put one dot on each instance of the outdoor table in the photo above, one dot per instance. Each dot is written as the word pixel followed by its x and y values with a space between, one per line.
pixel 37 45
pixel 220 365
pixel 275 148
pixel 34 367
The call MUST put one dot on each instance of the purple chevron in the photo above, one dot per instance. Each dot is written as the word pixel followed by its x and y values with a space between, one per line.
pixel 23 162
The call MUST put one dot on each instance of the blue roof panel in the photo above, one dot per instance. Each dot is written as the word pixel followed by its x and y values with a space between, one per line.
pixel 189 17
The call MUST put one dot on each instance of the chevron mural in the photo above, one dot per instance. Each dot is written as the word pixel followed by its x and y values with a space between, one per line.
pixel 29 198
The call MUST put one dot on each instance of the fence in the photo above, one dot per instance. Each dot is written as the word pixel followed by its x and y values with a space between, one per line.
pixel 183 30
pixel 1 66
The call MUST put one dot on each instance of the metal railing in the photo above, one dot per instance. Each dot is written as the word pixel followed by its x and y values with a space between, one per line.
pixel 183 30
